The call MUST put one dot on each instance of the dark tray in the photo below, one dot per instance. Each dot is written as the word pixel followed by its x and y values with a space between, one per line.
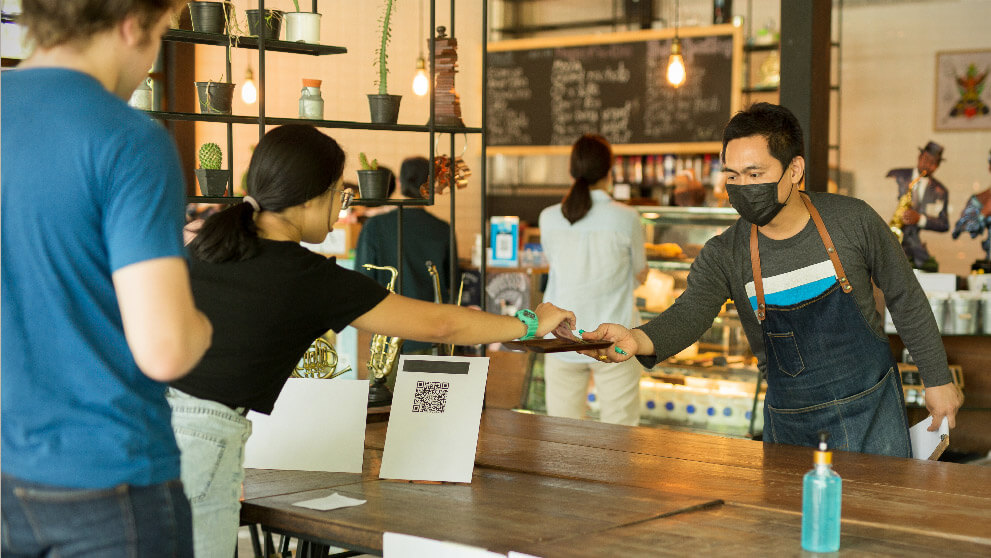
pixel 556 345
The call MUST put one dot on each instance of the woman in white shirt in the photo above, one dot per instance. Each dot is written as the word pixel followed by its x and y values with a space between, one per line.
pixel 596 253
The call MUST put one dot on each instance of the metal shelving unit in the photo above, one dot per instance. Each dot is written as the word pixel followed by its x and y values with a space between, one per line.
pixel 262 120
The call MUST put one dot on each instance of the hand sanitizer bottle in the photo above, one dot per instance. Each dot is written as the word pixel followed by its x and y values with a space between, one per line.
pixel 821 492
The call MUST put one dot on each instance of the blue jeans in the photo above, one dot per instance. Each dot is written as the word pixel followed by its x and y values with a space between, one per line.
pixel 211 437
pixel 125 520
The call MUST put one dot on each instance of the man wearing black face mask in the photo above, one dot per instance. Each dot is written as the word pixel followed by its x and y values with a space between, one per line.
pixel 803 263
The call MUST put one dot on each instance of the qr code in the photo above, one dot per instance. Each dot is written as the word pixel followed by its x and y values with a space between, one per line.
pixel 430 397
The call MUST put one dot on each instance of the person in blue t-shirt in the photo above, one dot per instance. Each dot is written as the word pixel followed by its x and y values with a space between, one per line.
pixel 97 308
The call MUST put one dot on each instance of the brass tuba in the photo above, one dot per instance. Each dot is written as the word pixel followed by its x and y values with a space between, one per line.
pixel 904 202
pixel 383 351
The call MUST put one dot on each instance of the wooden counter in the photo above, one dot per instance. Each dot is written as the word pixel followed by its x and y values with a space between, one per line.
pixel 559 487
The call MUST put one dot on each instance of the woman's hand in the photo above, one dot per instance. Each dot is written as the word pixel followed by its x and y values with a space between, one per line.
pixel 626 343
pixel 553 319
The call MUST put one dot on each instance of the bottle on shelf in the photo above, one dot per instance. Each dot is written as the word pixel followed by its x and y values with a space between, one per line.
pixel 310 100
pixel 649 177
pixel 636 176
pixel 621 179
pixel 669 169
pixel 822 489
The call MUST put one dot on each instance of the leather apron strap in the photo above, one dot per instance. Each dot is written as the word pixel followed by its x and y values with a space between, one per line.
pixel 826 240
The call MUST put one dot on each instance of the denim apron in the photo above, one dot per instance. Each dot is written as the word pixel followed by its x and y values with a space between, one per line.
pixel 827 369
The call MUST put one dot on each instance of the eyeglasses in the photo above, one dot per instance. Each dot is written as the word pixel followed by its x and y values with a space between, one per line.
pixel 347 195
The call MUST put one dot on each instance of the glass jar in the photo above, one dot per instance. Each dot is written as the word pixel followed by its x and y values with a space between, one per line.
pixel 310 101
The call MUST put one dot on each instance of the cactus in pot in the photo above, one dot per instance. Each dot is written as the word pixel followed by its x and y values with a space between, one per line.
pixel 213 180
pixel 384 108
pixel 373 181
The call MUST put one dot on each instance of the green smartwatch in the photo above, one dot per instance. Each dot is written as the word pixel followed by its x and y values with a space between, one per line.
pixel 529 319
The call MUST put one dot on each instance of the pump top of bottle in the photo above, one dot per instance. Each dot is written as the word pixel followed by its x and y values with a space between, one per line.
pixel 823 456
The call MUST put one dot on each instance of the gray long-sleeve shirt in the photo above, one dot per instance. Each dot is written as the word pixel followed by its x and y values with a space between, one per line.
pixel 796 269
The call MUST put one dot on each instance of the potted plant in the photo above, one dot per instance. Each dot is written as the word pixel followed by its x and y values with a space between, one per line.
pixel 213 180
pixel 302 27
pixel 215 97
pixel 209 17
pixel 269 23
pixel 384 107
pixel 373 182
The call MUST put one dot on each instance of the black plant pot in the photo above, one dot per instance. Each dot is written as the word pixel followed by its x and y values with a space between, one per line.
pixel 215 96
pixel 384 108
pixel 213 182
pixel 270 24
pixel 209 17
pixel 374 184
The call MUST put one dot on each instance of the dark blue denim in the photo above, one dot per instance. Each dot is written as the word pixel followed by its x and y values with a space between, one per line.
pixel 827 369
pixel 123 521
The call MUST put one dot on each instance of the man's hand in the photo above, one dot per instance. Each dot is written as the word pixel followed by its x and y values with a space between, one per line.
pixel 626 343
pixel 910 216
pixel 943 401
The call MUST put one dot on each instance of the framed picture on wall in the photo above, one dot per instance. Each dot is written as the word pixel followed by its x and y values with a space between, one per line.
pixel 963 90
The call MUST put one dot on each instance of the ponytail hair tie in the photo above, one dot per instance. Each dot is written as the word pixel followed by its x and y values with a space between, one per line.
pixel 252 202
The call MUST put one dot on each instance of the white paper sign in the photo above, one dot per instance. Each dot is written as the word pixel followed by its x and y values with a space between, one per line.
pixel 397 545
pixel 331 502
pixel 433 424
pixel 924 443
pixel 316 425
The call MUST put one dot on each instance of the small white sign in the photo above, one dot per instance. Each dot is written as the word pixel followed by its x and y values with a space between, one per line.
pixel 924 442
pixel 331 502
pixel 316 425
pixel 398 545
pixel 433 424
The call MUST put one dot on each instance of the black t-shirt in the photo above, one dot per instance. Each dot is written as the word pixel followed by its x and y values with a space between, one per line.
pixel 265 313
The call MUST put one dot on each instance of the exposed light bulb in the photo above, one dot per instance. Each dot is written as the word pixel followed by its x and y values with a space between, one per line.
pixel 249 93
pixel 676 65
pixel 421 84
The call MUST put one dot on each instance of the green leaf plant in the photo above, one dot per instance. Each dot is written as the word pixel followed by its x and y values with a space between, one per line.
pixel 382 57
pixel 365 165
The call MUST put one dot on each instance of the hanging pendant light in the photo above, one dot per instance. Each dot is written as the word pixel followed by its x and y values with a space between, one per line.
pixel 676 63
pixel 421 83
pixel 249 93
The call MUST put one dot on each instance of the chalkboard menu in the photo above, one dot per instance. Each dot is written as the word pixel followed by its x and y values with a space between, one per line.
pixel 552 95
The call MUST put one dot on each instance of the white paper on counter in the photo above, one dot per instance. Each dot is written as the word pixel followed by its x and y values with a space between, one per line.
pixel 398 545
pixel 316 425
pixel 331 502
pixel 924 443
pixel 433 423
pixel 513 554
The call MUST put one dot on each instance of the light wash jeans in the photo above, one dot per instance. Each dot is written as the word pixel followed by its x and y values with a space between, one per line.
pixel 122 521
pixel 617 386
pixel 211 437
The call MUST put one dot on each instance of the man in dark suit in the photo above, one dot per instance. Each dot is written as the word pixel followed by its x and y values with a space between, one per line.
pixel 425 238
pixel 928 209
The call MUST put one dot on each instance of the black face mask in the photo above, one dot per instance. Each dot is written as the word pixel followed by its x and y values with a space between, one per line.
pixel 757 203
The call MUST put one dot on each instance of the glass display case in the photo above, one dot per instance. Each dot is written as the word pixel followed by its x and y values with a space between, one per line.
pixel 710 385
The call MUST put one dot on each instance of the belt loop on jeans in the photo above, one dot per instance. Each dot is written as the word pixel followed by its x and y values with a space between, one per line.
pixel 243 411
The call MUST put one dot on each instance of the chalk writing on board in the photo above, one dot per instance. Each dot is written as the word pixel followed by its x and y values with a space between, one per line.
pixel 507 85
pixel 550 96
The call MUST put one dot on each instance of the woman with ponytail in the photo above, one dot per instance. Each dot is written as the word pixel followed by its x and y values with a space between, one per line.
pixel 269 298
pixel 595 249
